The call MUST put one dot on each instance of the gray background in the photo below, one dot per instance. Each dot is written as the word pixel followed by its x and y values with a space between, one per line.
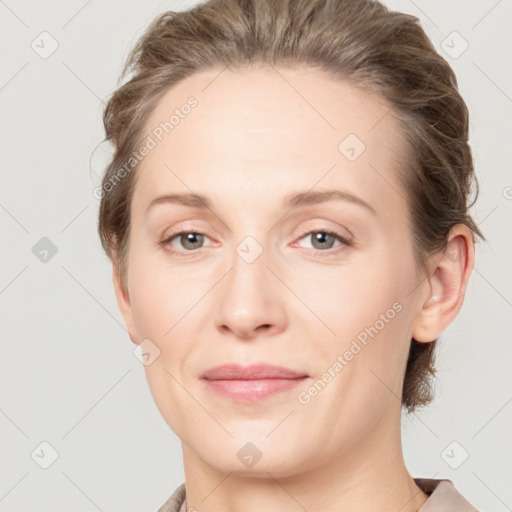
pixel 68 373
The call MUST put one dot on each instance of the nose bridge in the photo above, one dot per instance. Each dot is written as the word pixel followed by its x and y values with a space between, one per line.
pixel 249 275
pixel 249 299
pixel 251 246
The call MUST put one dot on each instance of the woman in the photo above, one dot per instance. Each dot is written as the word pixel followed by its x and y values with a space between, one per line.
pixel 251 134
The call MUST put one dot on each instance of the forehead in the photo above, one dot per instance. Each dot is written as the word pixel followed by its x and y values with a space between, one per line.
pixel 269 130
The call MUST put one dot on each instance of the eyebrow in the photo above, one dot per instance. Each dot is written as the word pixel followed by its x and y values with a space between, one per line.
pixel 293 200
pixel 315 197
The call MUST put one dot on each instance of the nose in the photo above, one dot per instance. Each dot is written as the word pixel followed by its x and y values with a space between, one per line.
pixel 250 300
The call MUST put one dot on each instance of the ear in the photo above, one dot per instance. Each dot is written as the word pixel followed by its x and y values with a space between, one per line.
pixel 446 285
pixel 123 301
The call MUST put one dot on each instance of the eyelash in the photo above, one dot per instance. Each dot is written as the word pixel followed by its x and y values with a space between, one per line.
pixel 344 242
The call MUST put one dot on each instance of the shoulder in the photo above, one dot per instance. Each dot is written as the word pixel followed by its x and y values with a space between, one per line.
pixel 443 496
pixel 176 502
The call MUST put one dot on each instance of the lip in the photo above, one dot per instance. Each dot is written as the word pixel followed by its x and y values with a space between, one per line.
pixel 251 372
pixel 251 383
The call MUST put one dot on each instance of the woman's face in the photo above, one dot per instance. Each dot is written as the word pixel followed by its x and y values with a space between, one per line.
pixel 263 281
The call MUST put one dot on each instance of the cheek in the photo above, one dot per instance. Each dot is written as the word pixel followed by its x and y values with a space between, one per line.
pixel 371 335
pixel 156 298
pixel 171 397
pixel 365 308
pixel 152 310
pixel 169 308
pixel 163 312
pixel 353 298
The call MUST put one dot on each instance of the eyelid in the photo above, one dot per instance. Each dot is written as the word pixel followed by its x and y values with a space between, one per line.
pixel 344 244
pixel 181 253
pixel 187 227
pixel 324 229
pixel 175 234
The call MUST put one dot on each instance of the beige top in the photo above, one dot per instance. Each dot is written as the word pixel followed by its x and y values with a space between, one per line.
pixel 443 497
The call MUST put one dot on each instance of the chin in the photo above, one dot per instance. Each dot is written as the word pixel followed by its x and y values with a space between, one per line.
pixel 255 455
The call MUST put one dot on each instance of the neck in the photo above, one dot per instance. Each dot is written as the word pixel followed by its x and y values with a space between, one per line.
pixel 370 475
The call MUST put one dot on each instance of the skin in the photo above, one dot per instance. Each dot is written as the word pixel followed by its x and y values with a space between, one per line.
pixel 252 140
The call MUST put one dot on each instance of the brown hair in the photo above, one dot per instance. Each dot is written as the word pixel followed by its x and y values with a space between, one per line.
pixel 360 41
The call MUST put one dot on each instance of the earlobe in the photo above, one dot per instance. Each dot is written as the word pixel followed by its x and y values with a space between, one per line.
pixel 446 285
pixel 123 302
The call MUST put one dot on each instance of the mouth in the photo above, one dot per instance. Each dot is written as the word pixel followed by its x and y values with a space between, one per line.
pixel 251 383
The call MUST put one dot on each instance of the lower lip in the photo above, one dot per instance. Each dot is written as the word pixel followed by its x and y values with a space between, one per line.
pixel 252 390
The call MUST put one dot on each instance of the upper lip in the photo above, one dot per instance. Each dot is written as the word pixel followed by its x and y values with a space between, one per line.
pixel 251 372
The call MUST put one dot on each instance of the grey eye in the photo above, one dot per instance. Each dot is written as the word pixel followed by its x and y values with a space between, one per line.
pixel 323 239
pixel 191 241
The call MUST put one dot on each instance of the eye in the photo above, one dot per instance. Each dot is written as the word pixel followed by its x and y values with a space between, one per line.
pixel 189 240
pixel 324 240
